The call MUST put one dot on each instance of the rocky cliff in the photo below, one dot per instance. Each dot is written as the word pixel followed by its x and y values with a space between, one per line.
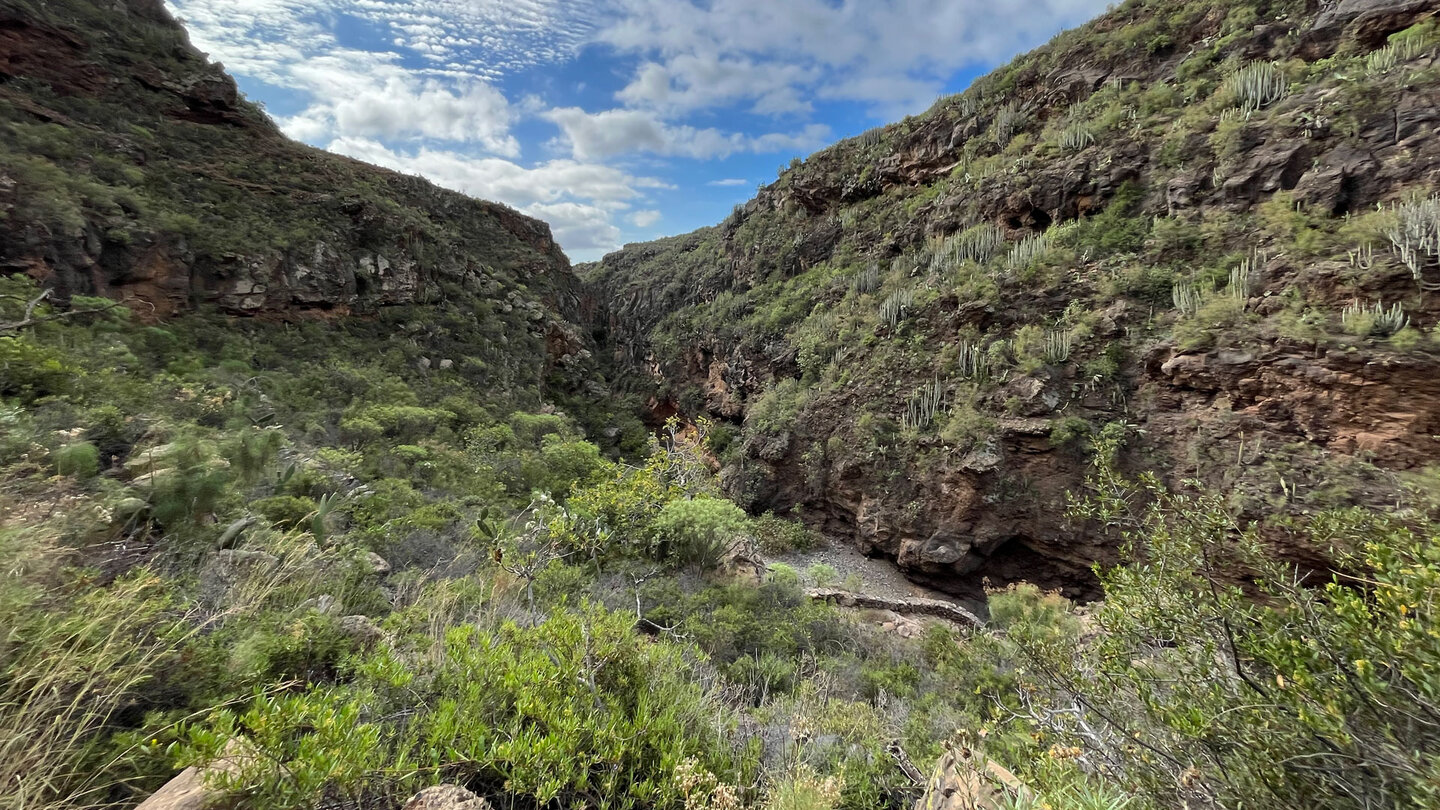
pixel 1211 225
pixel 131 167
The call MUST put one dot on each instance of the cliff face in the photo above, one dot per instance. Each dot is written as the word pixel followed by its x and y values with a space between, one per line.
pixel 131 167
pixel 1182 218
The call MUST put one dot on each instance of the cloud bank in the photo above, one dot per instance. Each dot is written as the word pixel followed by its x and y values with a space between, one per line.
pixel 480 95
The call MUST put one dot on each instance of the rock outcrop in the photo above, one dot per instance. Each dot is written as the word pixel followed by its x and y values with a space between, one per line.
pixel 965 779
pixel 906 607
pixel 446 797
pixel 193 788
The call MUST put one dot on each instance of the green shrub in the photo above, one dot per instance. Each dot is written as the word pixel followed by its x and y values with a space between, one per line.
pixel 1042 613
pixel 360 431
pixel 191 485
pixel 774 412
pixel 699 530
pixel 1117 229
pixel 576 711
pixel 805 790
pixel 782 574
pixel 406 423
pixel 29 371
pixel 894 680
pixel 780 536
pixel 309 648
pixel 565 465
pixel 822 575
pixel 81 459
pixel 285 511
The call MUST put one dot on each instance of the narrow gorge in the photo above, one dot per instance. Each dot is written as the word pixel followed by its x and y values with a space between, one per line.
pixel 1157 220
pixel 323 487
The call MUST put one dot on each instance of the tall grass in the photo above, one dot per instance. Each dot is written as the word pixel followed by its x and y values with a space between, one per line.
pixel 74 657
pixel 68 664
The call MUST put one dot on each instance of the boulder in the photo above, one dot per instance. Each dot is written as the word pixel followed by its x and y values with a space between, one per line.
pixel 375 564
pixel 225 569
pixel 188 791
pixel 446 797
pixel 128 509
pixel 149 459
pixel 361 630
pixel 1365 21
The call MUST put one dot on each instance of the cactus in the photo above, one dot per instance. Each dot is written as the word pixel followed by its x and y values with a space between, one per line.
pixel 921 408
pixel 1009 119
pixel 1255 86
pixel 974 363
pixel 1243 278
pixel 1362 257
pixel 975 244
pixel 1374 319
pixel 896 307
pixel 1415 238
pixel 1402 49
pixel 1076 137
pixel 1026 251
pixel 1186 297
pixel 867 281
pixel 1236 114
pixel 1058 343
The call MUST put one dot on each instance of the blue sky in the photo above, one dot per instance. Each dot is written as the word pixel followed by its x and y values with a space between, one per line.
pixel 613 120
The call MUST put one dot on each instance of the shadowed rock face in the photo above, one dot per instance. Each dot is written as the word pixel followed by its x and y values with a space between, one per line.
pixel 1286 421
pixel 181 193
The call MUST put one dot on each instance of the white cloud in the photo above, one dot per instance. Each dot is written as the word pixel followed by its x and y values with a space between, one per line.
pixel 472 112
pixel 263 38
pixel 692 81
pixel 891 54
pixel 419 85
pixel 586 232
pixel 579 200
pixel 367 92
pixel 645 218
pixel 606 134
pixel 421 99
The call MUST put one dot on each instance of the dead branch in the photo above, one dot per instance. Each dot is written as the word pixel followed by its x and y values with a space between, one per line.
pixel 29 319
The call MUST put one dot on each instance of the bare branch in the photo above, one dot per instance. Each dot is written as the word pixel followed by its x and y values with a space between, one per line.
pixel 29 319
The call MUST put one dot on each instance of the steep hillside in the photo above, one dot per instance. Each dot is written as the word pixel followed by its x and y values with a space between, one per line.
pixel 1213 223
pixel 132 168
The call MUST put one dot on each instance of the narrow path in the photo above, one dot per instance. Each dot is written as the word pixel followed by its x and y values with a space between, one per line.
pixel 878 577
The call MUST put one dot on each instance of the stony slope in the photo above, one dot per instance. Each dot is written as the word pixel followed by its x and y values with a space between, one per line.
pixel 1156 220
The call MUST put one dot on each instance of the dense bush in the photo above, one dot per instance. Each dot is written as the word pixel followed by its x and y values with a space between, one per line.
pixel 81 460
pixel 577 710
pixel 699 530
pixel 1311 690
